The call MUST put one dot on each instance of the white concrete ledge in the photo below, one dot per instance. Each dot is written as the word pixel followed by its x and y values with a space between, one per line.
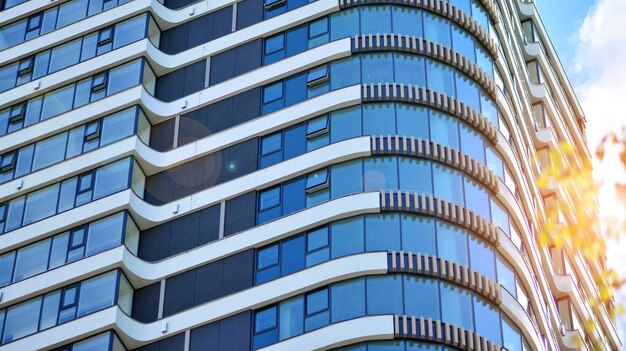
pixel 153 161
pixel 147 215
pixel 158 111
pixel 353 331
pixel 142 273
pixel 135 334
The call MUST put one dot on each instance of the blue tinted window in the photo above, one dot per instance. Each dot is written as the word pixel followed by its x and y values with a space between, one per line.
pixel 482 258
pixel 444 130
pixel 291 317
pixel 344 72
pixel 384 295
pixel 452 243
pixel 500 217
pixel 472 143
pixel 409 69
pixel 380 173
pixel 318 32
pixel 269 198
pixel 348 300
pixel 65 55
pixel 487 320
pixel 295 89
pixel 488 109
pixel 494 162
pixel 448 184
pixel 415 175
pixel 456 306
pixel 347 237
pixel 476 198
pixel 292 255
pixel 344 23
pixel 346 178
pixel 418 235
pixel 345 124
pixel 272 97
pixel 512 338
pixel 382 232
pixel 271 143
pixel 412 121
pixel 437 29
pixel 506 275
pixel 296 40
pixel 293 196
pixel 463 43
pixel 377 68
pixel 294 141
pixel 378 119
pixel 265 328
pixel 440 77
pixel 274 48
pixel 467 91
pixel 267 257
pixel 480 15
pixel 483 59
pixel 386 346
pixel 317 247
pixel 407 21
pixel 375 19
pixel 463 5
pixel 57 102
pixel 421 297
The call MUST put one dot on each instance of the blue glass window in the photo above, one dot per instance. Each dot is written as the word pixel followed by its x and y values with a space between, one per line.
pixel 448 184
pixel 379 119
pixel 317 313
pixel 271 147
pixel 292 255
pixel 456 306
pixel 512 339
pixel 269 204
pixel 467 91
pixel 296 89
pixel 384 295
pixel 346 178
pixel 318 32
pixel 415 175
pixel 380 173
pixel 344 72
pixel 265 327
pixel 291 317
pixel 418 235
pixel 463 43
pixel 476 198
pixel 273 97
pixel 440 77
pixel 345 124
pixel 348 300
pixel 382 232
pixel 409 69
pixel 274 48
pixel 318 249
pixel 377 68
pixel 472 143
pixel 482 257
pixel 344 24
pixel 347 237
pixel 375 19
pixel 407 21
pixel 421 297
pixel 452 243
pixel 444 130
pixel 500 217
pixel 437 29
pixel 296 40
pixel 506 275
pixel 487 319
pixel 412 121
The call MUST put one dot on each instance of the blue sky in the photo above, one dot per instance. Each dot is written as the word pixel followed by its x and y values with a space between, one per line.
pixel 590 39
pixel 562 19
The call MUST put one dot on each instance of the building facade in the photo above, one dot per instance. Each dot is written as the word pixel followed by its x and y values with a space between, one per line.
pixel 285 175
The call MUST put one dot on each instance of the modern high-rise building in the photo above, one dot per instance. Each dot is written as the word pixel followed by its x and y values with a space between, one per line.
pixel 285 175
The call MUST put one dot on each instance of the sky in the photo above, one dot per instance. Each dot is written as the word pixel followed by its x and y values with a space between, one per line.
pixel 590 39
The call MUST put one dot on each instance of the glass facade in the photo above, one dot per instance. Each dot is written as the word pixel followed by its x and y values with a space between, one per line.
pixel 191 201
pixel 379 295
pixel 71 193
pixel 66 304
